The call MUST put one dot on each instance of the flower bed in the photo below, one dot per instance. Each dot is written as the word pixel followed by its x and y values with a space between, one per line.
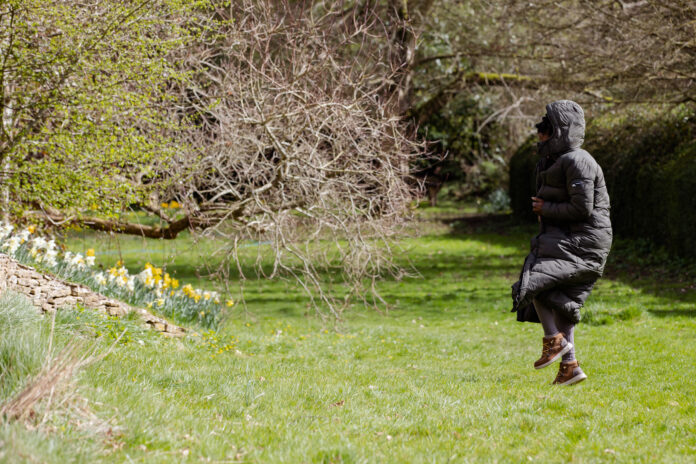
pixel 151 288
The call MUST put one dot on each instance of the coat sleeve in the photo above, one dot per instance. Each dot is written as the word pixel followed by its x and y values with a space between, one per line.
pixel 580 187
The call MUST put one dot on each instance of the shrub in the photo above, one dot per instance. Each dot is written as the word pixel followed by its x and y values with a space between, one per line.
pixel 497 201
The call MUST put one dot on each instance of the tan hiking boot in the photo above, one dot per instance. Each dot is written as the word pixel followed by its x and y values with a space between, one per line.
pixel 569 373
pixel 553 348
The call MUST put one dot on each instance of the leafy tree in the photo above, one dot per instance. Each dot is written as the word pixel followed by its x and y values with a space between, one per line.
pixel 85 104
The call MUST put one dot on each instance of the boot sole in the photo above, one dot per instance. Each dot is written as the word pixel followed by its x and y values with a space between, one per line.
pixel 577 379
pixel 565 349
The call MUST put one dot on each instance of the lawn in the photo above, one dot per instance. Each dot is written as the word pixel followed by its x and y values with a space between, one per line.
pixel 444 375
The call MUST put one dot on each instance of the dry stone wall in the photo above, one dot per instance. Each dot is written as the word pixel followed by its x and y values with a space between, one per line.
pixel 49 293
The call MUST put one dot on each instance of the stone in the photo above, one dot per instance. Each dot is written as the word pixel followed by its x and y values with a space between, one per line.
pixel 80 290
pixel 64 301
pixel 91 299
pixel 27 282
pixel 159 326
pixel 59 291
pixel 115 311
pixel 174 330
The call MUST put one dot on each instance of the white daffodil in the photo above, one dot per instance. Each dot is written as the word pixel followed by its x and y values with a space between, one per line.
pixel 12 245
pixel 5 230
pixel 39 243
pixel 23 236
pixel 77 261
pixel 50 257
pixel 100 278
pixel 146 277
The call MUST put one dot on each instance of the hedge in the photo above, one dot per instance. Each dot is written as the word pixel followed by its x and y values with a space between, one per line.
pixel 649 162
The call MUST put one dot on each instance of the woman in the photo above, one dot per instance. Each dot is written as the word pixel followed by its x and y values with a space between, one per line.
pixel 570 251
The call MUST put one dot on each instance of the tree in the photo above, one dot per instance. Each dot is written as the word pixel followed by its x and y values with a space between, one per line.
pixel 83 94
pixel 296 143
pixel 511 58
pixel 258 120
pixel 599 52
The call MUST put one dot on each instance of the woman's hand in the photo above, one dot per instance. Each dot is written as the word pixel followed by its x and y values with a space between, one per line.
pixel 537 204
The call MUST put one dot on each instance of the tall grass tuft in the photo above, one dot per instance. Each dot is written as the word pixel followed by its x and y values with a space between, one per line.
pixel 35 368
pixel 23 344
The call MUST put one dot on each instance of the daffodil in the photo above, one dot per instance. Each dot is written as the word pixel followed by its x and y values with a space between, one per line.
pixel 5 231
pixel 100 278
pixel 12 245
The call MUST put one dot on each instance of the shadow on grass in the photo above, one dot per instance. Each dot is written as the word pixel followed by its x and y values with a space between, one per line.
pixel 666 277
pixel 673 312
pixel 470 278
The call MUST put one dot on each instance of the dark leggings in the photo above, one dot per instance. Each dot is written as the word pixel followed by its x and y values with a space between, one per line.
pixel 552 322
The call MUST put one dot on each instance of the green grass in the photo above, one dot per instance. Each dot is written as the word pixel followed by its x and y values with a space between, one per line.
pixel 445 375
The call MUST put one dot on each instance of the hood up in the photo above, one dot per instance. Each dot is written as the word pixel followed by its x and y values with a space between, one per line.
pixel 568 121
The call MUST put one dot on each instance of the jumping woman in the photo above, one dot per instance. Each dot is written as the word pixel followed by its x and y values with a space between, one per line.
pixel 569 253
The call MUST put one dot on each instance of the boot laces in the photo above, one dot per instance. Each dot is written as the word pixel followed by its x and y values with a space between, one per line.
pixel 547 346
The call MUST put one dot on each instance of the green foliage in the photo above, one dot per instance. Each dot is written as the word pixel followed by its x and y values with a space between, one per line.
pixel 469 156
pixel 84 100
pixel 498 201
pixel 649 162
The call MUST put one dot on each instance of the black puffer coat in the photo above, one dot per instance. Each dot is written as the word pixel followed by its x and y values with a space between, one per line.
pixel 570 251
